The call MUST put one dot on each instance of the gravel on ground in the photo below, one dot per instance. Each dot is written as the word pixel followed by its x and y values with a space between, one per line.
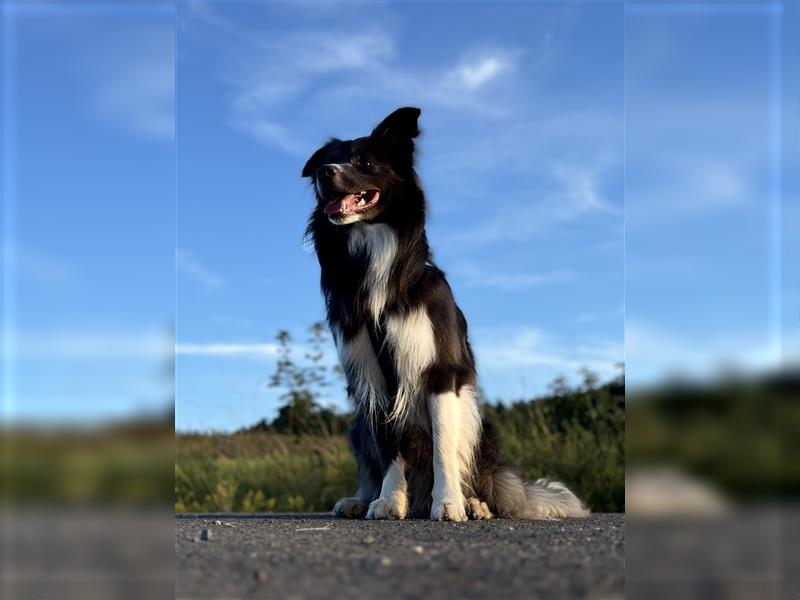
pixel 318 556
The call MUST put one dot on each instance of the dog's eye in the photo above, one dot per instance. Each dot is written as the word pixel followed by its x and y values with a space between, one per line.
pixel 365 163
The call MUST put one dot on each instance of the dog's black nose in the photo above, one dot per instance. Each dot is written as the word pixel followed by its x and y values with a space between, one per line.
pixel 326 171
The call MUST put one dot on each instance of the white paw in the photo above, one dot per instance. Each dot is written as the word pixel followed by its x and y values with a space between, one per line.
pixel 449 509
pixel 350 508
pixel 479 510
pixel 388 508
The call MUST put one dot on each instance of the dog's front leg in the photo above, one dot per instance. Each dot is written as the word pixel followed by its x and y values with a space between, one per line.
pixel 356 506
pixel 361 438
pixel 448 499
pixel 393 500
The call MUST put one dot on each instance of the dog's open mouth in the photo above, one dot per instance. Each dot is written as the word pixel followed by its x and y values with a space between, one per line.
pixel 352 203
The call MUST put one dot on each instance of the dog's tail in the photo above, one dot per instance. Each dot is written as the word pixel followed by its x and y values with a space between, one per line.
pixel 542 499
pixel 552 499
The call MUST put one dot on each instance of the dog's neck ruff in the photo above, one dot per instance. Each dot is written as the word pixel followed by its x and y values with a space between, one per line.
pixel 377 242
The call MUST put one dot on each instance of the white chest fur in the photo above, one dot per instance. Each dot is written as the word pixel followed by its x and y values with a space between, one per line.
pixel 409 334
pixel 378 242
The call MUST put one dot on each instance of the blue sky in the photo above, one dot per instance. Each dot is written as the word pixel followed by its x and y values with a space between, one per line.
pixel 603 182
pixel 88 210
pixel 711 188
pixel 521 159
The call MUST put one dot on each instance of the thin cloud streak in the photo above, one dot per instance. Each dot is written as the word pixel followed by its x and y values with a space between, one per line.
pixel 656 354
pixel 41 268
pixel 531 347
pixel 575 194
pixel 134 90
pixel 91 345
pixel 592 317
pixel 474 277
pixel 287 68
pixel 226 349
pixel 478 71
pixel 185 262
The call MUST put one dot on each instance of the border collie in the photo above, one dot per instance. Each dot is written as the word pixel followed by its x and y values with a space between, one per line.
pixel 421 446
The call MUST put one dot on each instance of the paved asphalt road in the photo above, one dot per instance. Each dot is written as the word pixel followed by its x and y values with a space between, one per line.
pixel 317 556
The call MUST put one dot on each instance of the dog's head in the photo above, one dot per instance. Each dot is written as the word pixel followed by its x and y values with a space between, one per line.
pixel 357 180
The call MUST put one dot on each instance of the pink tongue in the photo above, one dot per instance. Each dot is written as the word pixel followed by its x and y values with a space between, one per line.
pixel 339 206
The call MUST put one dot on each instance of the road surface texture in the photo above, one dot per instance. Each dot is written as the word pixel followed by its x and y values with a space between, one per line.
pixel 318 556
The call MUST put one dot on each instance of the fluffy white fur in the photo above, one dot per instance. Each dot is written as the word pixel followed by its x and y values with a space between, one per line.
pixel 409 334
pixel 413 410
pixel 454 419
pixel 456 426
pixel 552 500
pixel 379 242
pixel 414 347
pixel 393 500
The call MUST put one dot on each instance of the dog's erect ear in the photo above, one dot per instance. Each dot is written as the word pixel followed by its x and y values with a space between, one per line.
pixel 317 160
pixel 314 163
pixel 401 124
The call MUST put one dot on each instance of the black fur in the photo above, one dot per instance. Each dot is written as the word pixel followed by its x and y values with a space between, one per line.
pixel 415 279
pixel 384 161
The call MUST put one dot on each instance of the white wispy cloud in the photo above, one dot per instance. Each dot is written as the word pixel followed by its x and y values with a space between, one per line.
pixel 287 68
pixel 226 349
pixel 523 361
pixel 479 70
pixel 325 52
pixel 580 188
pixel 570 192
pixel 506 349
pixel 655 353
pixel 43 268
pixel 134 83
pixel 92 344
pixel 591 317
pixel 707 154
pixel 473 276
pixel 268 132
pixel 185 262
pixel 300 351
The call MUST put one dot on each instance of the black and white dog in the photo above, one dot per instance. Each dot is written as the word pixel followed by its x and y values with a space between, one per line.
pixel 421 447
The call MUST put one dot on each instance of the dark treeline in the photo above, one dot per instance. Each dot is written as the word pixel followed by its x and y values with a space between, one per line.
pixel 739 433
pixel 588 404
pixel 575 432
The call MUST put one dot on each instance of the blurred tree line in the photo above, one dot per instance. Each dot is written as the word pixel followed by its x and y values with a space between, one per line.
pixel 299 459
pixel 576 432
pixel 304 383
pixel 739 433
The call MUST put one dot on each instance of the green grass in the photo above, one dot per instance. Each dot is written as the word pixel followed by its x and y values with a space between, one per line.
pixel 124 465
pixel 575 436
pixel 252 472
pixel 592 464
pixel 739 434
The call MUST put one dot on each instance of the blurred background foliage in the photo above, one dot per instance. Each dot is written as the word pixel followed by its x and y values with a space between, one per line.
pixel 127 464
pixel 738 433
pixel 301 461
